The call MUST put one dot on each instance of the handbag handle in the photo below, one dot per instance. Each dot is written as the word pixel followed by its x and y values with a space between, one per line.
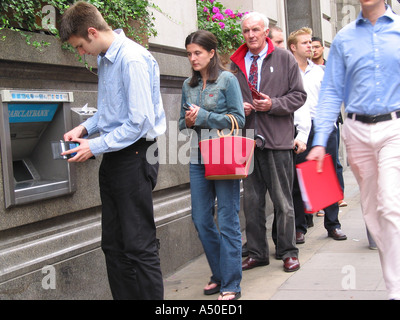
pixel 235 127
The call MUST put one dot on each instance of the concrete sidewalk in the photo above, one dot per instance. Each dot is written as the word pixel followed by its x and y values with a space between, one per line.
pixel 330 270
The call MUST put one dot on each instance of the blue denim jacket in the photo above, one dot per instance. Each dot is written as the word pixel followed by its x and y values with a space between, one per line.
pixel 215 101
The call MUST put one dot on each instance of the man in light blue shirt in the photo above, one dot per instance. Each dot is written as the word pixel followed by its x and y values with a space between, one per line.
pixel 130 116
pixel 128 77
pixel 363 71
pixel 129 100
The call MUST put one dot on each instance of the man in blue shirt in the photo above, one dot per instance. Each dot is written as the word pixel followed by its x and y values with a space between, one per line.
pixel 363 71
pixel 130 116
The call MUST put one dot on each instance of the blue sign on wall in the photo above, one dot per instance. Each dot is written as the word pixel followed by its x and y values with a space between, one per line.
pixel 19 113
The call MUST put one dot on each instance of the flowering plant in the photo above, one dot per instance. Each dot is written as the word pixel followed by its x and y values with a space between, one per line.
pixel 222 22
pixel 26 15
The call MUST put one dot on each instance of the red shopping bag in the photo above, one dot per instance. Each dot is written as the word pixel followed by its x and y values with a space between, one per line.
pixel 229 156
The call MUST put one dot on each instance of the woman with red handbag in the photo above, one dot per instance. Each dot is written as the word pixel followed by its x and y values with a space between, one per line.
pixel 208 96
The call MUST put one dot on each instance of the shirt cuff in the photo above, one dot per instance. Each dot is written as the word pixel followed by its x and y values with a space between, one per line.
pixel 97 146
pixel 320 140
pixel 201 119
pixel 302 137
pixel 91 129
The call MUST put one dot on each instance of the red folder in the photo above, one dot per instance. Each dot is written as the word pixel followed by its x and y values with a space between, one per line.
pixel 318 189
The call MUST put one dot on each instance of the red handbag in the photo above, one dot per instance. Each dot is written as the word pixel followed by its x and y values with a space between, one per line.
pixel 229 156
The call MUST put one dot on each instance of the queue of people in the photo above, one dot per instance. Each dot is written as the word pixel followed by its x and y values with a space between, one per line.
pixel 294 116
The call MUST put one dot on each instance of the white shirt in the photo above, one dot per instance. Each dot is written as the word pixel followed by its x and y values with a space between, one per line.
pixel 312 78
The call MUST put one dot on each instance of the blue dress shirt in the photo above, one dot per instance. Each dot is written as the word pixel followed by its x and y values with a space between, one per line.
pixel 129 105
pixel 363 71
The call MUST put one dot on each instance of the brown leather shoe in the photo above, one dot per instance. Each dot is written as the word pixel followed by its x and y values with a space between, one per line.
pixel 250 263
pixel 291 264
pixel 337 234
pixel 300 238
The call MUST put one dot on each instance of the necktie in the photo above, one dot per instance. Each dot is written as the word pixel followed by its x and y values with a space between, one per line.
pixel 253 75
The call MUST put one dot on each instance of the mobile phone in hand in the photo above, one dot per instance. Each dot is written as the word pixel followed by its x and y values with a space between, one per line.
pixel 255 94
pixel 187 106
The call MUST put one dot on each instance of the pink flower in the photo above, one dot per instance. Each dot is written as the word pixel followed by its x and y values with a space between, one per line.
pixel 218 16
pixel 215 10
pixel 212 1
pixel 222 25
pixel 228 12
pixel 205 9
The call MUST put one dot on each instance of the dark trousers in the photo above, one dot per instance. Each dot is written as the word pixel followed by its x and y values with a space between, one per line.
pixel 331 220
pixel 301 219
pixel 128 228
pixel 273 172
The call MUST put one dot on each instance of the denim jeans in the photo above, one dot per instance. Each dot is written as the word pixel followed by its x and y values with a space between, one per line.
pixel 222 244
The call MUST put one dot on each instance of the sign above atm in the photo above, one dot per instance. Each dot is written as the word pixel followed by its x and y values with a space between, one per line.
pixel 35 96
pixel 20 113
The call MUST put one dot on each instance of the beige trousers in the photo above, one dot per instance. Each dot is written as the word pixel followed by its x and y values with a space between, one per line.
pixel 374 155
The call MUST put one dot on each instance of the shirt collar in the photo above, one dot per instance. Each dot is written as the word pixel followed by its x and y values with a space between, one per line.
pixel 388 13
pixel 261 55
pixel 310 65
pixel 112 51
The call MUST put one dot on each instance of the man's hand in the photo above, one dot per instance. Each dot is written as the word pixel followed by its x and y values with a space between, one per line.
pixel 82 151
pixel 299 146
pixel 317 153
pixel 77 132
pixel 263 104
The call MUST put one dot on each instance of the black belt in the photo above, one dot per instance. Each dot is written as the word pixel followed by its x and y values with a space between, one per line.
pixel 374 119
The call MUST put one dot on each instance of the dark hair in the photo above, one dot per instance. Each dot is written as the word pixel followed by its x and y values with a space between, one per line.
pixel 317 39
pixel 78 18
pixel 209 42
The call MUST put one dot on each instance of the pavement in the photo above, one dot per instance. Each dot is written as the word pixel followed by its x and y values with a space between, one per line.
pixel 330 269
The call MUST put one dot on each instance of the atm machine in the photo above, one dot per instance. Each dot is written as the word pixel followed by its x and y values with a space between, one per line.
pixel 29 122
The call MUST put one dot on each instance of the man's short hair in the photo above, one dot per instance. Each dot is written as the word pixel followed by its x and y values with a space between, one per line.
pixel 78 18
pixel 317 39
pixel 256 15
pixel 293 35
pixel 272 30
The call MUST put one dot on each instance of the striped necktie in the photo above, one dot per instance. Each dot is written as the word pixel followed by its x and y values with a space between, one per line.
pixel 253 75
